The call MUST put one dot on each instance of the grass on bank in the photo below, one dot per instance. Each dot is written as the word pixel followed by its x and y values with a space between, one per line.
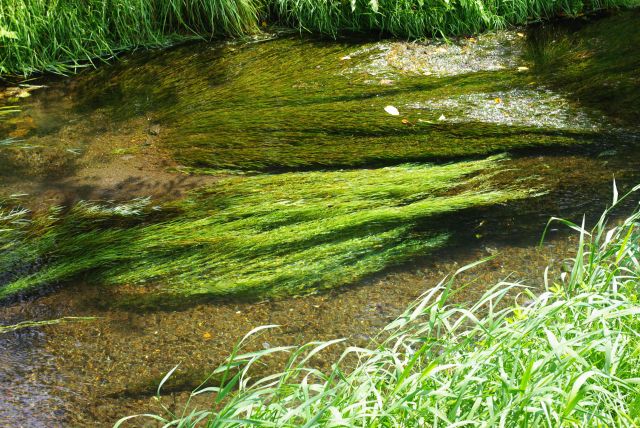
pixel 568 356
pixel 264 235
pixel 57 36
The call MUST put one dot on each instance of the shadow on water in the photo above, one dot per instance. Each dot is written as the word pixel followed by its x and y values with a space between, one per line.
pixel 594 63
pixel 562 100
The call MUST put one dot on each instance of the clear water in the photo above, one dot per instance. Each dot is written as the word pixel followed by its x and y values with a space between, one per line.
pixel 136 127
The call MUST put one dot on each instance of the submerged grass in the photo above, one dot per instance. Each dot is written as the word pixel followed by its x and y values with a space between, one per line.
pixel 57 36
pixel 595 64
pixel 31 324
pixel 291 104
pixel 265 235
pixel 567 357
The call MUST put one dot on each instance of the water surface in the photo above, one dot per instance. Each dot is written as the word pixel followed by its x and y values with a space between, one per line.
pixel 162 123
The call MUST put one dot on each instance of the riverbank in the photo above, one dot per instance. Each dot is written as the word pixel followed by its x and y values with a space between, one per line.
pixel 564 357
pixel 31 40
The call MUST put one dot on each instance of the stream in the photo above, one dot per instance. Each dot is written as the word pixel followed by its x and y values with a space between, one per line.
pixel 560 99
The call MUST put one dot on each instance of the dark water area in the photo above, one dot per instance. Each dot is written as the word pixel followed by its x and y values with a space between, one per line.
pixel 598 71
pixel 560 99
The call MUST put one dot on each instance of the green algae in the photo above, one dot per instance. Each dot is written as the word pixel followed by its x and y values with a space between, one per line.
pixel 316 105
pixel 267 235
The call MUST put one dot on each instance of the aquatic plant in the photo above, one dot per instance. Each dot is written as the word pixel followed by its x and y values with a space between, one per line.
pixel 301 118
pixel 265 235
pixel 32 324
pixel 32 40
pixel 5 110
pixel 567 356
pixel 291 104
pixel 595 64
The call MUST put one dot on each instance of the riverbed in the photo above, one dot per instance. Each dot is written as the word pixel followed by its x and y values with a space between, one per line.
pixel 162 124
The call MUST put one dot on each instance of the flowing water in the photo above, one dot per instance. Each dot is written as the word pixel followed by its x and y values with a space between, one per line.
pixel 560 99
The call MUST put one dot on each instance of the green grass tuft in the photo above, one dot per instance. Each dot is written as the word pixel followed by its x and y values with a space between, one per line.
pixel 58 36
pixel 418 18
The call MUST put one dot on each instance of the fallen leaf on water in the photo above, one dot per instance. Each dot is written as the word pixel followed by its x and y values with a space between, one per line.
pixel 392 110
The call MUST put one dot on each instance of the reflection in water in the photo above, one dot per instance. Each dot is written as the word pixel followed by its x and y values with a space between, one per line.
pixel 594 63
pixel 288 104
